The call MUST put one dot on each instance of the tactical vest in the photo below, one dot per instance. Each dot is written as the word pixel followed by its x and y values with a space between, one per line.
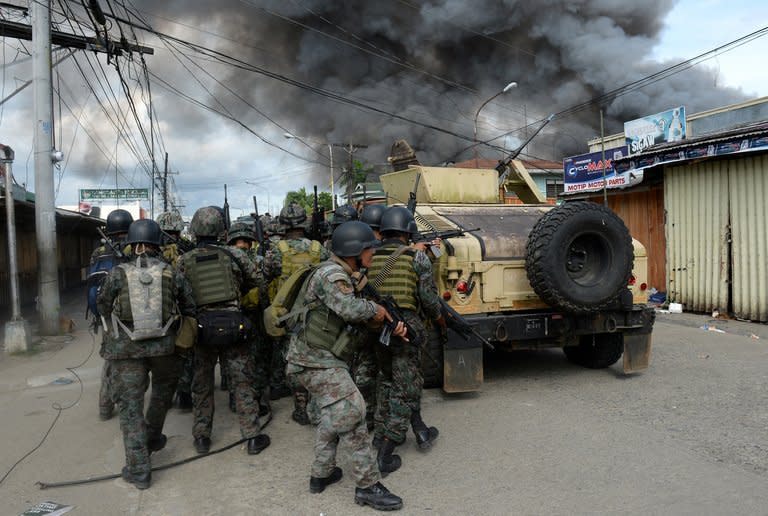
pixel 145 307
pixel 323 328
pixel 209 271
pixel 171 253
pixel 293 260
pixel 402 282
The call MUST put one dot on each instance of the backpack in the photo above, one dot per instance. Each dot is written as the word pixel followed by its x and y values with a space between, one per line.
pixel 285 298
pixel 97 272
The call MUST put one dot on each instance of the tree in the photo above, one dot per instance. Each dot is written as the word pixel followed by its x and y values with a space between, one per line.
pixel 360 173
pixel 307 199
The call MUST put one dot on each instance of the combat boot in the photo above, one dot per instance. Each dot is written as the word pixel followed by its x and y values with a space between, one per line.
pixel 257 444
pixel 184 401
pixel 232 402
pixel 278 391
pixel 156 441
pixel 425 435
pixel 378 497
pixel 140 480
pixel 202 444
pixel 318 485
pixel 388 462
pixel 106 412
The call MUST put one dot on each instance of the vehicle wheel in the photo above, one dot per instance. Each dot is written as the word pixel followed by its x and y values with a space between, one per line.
pixel 596 351
pixel 432 360
pixel 579 257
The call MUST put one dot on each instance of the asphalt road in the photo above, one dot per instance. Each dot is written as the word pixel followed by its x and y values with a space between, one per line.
pixel 689 436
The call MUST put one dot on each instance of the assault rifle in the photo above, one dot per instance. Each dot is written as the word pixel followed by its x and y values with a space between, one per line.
pixel 108 242
pixel 389 303
pixel 317 220
pixel 461 326
pixel 259 230
pixel 227 219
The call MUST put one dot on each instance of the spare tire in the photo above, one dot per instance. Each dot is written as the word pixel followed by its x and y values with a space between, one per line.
pixel 579 257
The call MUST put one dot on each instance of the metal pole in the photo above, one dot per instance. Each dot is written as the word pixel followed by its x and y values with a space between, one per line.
pixel 602 145
pixel 10 213
pixel 45 210
pixel 333 192
pixel 165 184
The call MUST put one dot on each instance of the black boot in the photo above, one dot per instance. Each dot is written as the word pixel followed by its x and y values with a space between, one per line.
pixel 141 480
pixel 106 412
pixel 425 435
pixel 300 407
pixel 264 408
pixel 224 382
pixel 376 443
pixel 378 497
pixel 202 444
pixel 232 402
pixel 388 463
pixel 318 485
pixel 257 444
pixel 184 401
pixel 156 442
pixel 278 391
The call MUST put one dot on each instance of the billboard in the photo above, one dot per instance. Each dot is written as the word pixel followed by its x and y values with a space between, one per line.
pixel 584 173
pixel 642 133
pixel 114 193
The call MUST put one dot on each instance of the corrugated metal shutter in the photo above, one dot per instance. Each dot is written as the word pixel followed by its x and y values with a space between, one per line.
pixel 696 202
pixel 748 192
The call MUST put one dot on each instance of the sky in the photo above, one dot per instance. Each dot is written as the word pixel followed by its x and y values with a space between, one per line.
pixel 207 150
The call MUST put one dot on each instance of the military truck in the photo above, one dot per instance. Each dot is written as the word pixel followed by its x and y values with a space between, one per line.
pixel 527 276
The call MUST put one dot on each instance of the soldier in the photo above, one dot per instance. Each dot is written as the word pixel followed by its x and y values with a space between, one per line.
pixel 242 236
pixel 173 246
pixel 405 274
pixel 364 365
pixel 219 276
pixel 292 253
pixel 118 222
pixel 319 348
pixel 140 299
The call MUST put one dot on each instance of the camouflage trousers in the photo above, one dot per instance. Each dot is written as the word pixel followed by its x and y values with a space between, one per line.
pixel 365 371
pixel 341 424
pixel 239 364
pixel 130 379
pixel 278 347
pixel 187 372
pixel 400 382
pixel 106 400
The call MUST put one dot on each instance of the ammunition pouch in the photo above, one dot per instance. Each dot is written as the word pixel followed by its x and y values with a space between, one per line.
pixel 219 329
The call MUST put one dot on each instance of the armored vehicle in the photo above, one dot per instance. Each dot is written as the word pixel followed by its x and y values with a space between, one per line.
pixel 526 276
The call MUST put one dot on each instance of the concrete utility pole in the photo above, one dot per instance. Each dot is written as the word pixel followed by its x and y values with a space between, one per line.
pixel 350 148
pixel 45 210
pixel 16 330
pixel 165 184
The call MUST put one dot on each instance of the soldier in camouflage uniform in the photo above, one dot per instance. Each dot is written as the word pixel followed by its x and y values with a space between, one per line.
pixel 219 276
pixel 173 246
pixel 320 346
pixel 410 282
pixel 365 367
pixel 242 236
pixel 118 222
pixel 292 253
pixel 341 214
pixel 138 345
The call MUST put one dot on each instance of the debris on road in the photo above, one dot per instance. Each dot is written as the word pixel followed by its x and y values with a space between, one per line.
pixel 711 327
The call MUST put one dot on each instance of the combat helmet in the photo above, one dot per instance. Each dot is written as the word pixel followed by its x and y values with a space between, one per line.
pixel 293 216
pixel 351 238
pixel 207 222
pixel 170 221
pixel 239 230
pixel 342 214
pixel 144 231
pixel 118 221
pixel 371 215
pixel 398 218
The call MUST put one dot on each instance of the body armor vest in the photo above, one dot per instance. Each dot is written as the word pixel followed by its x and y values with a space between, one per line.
pixel 146 302
pixel 402 283
pixel 293 261
pixel 324 329
pixel 209 271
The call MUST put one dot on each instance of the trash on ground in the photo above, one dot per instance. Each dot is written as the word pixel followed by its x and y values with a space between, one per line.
pixel 675 308
pixel 48 509
pixel 710 327
pixel 656 297
pixel 704 356
pixel 62 381
pixel 753 336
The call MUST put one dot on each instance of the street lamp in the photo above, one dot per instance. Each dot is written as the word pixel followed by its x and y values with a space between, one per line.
pixel 508 87
pixel 290 136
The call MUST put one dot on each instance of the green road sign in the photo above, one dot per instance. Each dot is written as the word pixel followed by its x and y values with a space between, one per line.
pixel 114 194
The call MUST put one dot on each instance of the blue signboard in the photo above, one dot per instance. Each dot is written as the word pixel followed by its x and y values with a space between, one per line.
pixel 667 126
pixel 585 172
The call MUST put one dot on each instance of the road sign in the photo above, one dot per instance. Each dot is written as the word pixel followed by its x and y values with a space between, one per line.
pixel 126 194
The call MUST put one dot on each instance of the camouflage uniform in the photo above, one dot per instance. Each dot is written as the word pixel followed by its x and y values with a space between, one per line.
pixel 365 369
pixel 400 379
pixel 106 401
pixel 260 345
pixel 236 357
pixel 131 363
pixel 342 408
pixel 278 266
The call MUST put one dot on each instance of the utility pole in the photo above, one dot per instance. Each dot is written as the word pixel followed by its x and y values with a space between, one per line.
pixel 45 211
pixel 350 148
pixel 16 330
pixel 165 184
